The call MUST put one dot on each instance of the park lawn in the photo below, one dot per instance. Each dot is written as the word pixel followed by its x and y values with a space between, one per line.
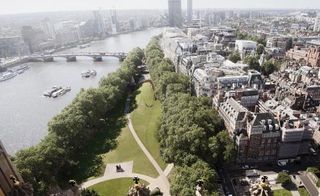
pixel 281 192
pixel 115 187
pixel 146 120
pixel 128 150
pixel 303 192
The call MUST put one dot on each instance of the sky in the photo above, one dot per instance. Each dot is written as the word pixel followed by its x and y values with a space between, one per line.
pixel 27 6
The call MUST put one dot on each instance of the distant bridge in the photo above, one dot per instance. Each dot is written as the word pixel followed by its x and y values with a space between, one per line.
pixel 97 56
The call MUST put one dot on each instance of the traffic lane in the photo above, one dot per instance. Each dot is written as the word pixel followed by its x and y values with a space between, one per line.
pixel 309 185
pixel 226 182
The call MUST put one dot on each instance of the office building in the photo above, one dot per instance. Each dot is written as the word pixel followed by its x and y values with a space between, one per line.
pixel 256 135
pixel 189 12
pixel 48 28
pixel 175 13
pixel 100 25
pixel 114 22
pixel 317 24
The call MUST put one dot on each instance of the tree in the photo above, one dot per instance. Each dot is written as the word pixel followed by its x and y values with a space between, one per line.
pixel 314 170
pixel 234 57
pixel 259 40
pixel 184 179
pixel 56 158
pixel 289 44
pixel 223 147
pixel 260 49
pixel 283 178
pixel 87 192
pixel 268 68
pixel 253 62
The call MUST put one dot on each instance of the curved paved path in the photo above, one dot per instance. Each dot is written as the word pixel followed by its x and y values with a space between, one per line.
pixel 162 181
pixel 105 178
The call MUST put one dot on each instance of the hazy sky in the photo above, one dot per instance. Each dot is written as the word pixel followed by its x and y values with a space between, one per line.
pixel 22 6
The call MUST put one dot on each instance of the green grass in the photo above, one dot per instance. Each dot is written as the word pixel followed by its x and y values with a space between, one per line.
pixel 114 187
pixel 281 192
pixel 303 192
pixel 146 119
pixel 128 150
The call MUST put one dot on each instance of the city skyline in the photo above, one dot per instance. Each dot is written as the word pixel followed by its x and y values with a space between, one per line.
pixel 19 6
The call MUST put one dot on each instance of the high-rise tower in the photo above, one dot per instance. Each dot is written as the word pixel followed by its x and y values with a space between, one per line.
pixel 175 13
pixel 189 11
pixel 114 22
pixel 317 24
pixel 48 28
pixel 99 23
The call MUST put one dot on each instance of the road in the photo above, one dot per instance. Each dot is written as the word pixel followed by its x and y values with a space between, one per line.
pixel 311 188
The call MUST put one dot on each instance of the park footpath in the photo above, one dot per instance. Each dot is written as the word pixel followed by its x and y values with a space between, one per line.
pixel 161 181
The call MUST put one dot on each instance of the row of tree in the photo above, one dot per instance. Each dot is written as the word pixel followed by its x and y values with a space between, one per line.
pixel 191 133
pixel 65 153
pixel 267 67
pixel 246 36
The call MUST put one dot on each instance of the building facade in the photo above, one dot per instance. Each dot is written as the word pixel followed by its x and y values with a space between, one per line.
pixel 256 135
pixel 189 12
pixel 175 13
pixel 11 183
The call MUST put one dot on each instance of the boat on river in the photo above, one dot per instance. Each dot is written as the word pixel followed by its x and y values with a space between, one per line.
pixel 89 73
pixel 22 69
pixel 54 89
pixel 60 92
pixel 84 46
pixel 7 75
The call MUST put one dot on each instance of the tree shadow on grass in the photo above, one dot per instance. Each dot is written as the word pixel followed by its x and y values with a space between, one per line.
pixel 133 103
pixel 89 161
pixel 290 186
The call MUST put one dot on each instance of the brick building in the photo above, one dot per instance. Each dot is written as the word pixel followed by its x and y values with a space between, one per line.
pixel 256 135
pixel 311 55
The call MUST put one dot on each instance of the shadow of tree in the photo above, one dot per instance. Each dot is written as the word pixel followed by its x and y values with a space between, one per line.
pixel 89 161
pixel 133 103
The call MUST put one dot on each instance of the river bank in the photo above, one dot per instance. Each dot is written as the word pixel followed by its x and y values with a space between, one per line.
pixel 25 113
pixel 26 59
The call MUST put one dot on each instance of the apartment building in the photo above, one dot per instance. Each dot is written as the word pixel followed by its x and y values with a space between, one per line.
pixel 257 135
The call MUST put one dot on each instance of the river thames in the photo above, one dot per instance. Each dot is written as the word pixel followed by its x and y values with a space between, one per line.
pixel 25 112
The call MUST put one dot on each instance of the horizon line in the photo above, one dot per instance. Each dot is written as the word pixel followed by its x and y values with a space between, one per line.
pixel 161 9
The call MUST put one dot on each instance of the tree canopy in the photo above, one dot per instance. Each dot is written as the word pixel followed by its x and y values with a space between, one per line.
pixel 260 49
pixel 253 62
pixel 234 57
pixel 56 159
pixel 283 178
pixel 268 67
pixel 191 133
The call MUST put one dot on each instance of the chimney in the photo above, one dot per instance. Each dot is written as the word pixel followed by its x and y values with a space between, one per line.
pixel 256 109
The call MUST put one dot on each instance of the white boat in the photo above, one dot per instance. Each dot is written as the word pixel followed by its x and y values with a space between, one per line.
pixel 84 46
pixel 22 69
pixel 7 75
pixel 57 93
pixel 89 73
pixel 61 92
pixel 49 93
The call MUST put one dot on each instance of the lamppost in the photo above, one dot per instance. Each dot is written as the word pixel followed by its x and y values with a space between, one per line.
pixel 199 188
pixel 136 180
pixel 74 187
